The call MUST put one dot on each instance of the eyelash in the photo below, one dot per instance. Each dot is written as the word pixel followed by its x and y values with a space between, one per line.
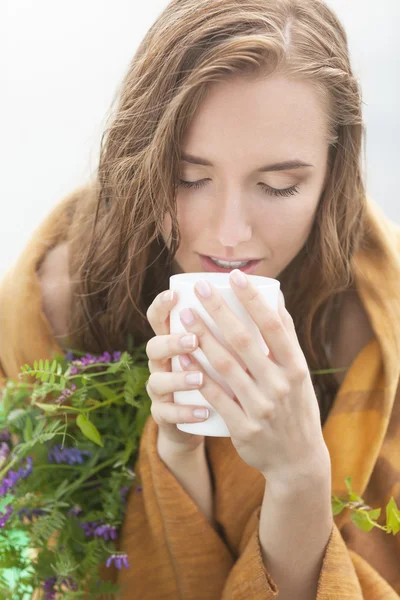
pixel 291 191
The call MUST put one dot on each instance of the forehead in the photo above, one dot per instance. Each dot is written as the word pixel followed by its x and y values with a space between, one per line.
pixel 272 116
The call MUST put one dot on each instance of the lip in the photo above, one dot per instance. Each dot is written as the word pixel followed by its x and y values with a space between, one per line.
pixel 208 265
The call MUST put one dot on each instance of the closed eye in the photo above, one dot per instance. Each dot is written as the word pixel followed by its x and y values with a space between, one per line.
pixel 290 191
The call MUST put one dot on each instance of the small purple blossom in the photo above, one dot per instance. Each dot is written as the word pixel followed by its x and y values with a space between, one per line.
pixel 139 488
pixel 13 477
pixel 91 359
pixel 90 526
pixel 5 515
pixel 49 586
pixel 30 513
pixel 70 456
pixel 69 356
pixel 65 394
pixel 75 510
pixel 5 435
pixel 119 560
pixel 4 452
pixel 123 492
pixel 107 532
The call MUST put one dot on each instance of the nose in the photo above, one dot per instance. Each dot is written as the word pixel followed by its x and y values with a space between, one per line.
pixel 231 219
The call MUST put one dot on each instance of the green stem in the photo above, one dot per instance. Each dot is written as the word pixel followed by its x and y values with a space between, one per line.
pixel 86 475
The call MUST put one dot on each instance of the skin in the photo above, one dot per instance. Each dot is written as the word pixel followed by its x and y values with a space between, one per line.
pixel 241 126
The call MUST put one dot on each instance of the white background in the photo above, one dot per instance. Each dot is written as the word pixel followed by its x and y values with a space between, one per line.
pixel 62 62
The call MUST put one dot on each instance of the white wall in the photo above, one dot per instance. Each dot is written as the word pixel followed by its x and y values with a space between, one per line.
pixel 64 61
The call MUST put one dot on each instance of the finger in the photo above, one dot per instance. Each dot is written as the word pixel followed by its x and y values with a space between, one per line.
pixel 163 347
pixel 158 312
pixel 169 413
pixel 226 365
pixel 161 385
pixel 230 409
pixel 269 321
pixel 241 340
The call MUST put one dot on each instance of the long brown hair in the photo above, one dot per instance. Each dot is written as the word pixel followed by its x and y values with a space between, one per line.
pixel 119 261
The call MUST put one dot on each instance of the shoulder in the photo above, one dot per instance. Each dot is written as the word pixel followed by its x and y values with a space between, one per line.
pixel 354 331
pixel 55 287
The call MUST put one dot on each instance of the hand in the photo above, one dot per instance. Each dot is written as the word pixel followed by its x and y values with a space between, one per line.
pixel 274 419
pixel 162 382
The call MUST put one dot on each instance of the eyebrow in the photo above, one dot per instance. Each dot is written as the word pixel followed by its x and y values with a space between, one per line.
pixel 281 166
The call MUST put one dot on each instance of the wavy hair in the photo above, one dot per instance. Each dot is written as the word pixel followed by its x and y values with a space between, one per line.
pixel 119 261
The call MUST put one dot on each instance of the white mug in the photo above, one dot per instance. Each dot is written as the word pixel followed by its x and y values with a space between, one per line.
pixel 183 286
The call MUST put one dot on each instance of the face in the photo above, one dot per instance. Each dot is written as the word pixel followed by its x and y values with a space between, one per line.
pixel 241 207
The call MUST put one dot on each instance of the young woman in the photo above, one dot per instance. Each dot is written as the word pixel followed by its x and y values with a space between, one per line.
pixel 237 138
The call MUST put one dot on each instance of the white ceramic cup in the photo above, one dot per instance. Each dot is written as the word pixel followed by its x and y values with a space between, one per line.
pixel 183 286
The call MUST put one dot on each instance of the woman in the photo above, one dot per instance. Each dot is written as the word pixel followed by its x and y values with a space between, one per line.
pixel 237 136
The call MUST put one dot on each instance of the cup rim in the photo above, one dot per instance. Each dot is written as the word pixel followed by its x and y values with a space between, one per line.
pixel 220 278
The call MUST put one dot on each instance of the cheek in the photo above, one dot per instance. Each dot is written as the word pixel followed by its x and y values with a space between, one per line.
pixel 288 223
pixel 191 219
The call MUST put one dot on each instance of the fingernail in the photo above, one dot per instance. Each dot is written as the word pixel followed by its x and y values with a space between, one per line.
pixel 194 378
pixel 201 413
pixel 185 360
pixel 188 341
pixel 187 316
pixel 203 287
pixel 239 278
pixel 167 296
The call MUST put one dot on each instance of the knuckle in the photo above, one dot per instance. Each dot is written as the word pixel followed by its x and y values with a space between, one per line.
pixel 223 365
pixel 241 339
pixel 282 390
pixel 271 323
pixel 298 374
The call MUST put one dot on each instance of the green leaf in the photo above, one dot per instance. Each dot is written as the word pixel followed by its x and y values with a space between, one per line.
pixel 28 429
pixel 337 505
pixel 141 416
pixel 365 519
pixel 50 408
pixel 88 429
pixel 8 499
pixel 352 495
pixel 104 390
pixel 392 517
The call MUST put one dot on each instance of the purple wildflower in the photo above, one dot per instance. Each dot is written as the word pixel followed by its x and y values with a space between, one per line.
pixel 69 356
pixel 123 492
pixel 75 510
pixel 30 513
pixel 4 452
pixel 69 456
pixel 65 394
pixel 91 359
pixel 5 435
pixel 12 477
pixel 89 527
pixel 107 532
pixel 49 586
pixel 5 515
pixel 119 560
pixel 139 489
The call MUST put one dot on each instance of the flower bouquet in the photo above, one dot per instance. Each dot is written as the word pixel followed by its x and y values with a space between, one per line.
pixel 69 438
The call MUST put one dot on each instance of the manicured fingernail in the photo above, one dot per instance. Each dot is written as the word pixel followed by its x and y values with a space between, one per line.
pixel 239 278
pixel 185 360
pixel 167 296
pixel 194 378
pixel 203 287
pixel 187 316
pixel 201 413
pixel 188 341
